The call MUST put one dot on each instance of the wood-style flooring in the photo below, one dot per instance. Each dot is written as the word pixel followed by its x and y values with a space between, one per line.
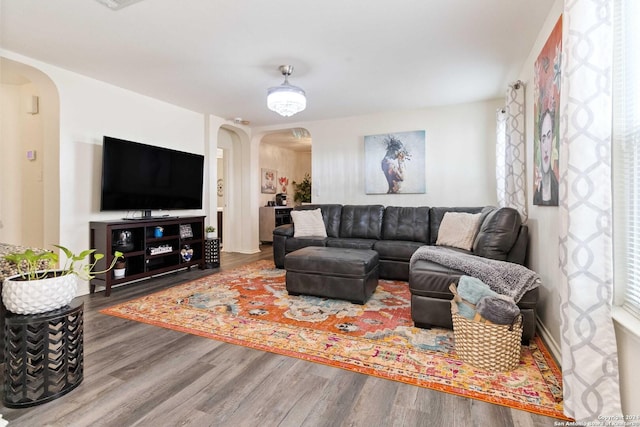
pixel 142 375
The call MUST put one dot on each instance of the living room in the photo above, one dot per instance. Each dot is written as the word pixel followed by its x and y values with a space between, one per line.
pixel 76 111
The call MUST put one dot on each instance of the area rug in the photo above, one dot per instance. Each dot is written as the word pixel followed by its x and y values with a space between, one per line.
pixel 250 306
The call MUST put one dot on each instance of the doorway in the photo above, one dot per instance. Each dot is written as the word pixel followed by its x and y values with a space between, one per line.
pixel 288 152
pixel 30 208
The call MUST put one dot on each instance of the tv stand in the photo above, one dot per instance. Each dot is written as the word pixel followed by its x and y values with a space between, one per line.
pixel 142 258
pixel 146 218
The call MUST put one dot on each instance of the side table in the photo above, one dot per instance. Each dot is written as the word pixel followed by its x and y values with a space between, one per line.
pixel 212 253
pixel 43 355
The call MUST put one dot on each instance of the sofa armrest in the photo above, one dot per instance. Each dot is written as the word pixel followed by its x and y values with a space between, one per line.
pixel 285 230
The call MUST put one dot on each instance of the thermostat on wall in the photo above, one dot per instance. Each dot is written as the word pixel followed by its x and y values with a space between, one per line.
pixel 33 104
pixel 31 155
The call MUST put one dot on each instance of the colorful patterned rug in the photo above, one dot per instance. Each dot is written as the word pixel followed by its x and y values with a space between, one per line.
pixel 250 306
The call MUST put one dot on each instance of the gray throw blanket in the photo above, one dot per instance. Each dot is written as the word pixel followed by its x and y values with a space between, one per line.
pixel 500 310
pixel 503 277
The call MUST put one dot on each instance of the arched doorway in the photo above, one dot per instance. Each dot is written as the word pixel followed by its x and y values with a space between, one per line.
pixel 287 151
pixel 29 169
pixel 238 191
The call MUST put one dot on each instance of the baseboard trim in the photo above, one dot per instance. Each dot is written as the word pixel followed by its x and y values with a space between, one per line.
pixel 552 345
pixel 248 251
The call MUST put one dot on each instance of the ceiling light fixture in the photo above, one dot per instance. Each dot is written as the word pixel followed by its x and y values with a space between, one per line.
pixel 286 99
pixel 117 4
pixel 300 133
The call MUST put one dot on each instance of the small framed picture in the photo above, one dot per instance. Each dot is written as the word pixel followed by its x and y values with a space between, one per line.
pixel 186 231
pixel 268 181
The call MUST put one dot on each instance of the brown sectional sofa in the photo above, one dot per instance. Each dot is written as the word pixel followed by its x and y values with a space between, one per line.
pixel 395 233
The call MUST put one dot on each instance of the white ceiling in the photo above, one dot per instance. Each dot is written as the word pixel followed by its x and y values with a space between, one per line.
pixel 352 57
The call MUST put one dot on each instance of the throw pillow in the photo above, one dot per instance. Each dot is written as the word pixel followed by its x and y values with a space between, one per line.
pixel 458 230
pixel 308 223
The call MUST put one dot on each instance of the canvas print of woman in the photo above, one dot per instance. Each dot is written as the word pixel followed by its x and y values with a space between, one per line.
pixel 546 114
pixel 395 163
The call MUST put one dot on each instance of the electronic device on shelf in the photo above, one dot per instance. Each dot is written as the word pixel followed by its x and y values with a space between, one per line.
pixel 144 177
pixel 162 249
pixel 281 199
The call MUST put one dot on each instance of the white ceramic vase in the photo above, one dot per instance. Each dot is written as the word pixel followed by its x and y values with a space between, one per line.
pixel 38 296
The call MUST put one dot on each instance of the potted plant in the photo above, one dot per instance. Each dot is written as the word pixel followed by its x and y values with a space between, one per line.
pixel 302 193
pixel 119 269
pixel 34 290
pixel 210 232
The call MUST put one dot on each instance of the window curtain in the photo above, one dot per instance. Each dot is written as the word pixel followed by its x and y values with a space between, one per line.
pixel 589 354
pixel 510 151
pixel 501 165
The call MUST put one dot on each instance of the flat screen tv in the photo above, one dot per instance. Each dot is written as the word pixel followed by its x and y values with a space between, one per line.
pixel 144 177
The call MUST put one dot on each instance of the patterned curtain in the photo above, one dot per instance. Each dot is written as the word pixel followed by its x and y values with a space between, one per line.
pixel 510 152
pixel 589 354
pixel 501 165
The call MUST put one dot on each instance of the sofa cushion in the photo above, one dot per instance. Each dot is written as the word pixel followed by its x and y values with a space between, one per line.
pixel 436 215
pixel 406 223
pixel 330 215
pixel 397 250
pixel 497 234
pixel 458 230
pixel 308 223
pixel 361 221
pixel 302 242
pixel 334 242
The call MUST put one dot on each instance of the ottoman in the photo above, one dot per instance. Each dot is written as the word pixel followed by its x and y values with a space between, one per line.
pixel 340 273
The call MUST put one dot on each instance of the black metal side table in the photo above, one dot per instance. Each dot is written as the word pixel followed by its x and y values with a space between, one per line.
pixel 212 253
pixel 43 355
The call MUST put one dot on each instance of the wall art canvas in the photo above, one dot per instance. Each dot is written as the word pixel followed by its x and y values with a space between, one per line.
pixel 268 181
pixel 547 120
pixel 395 163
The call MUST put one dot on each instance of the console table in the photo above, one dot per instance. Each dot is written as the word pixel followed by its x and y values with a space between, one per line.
pixel 270 218
pixel 43 355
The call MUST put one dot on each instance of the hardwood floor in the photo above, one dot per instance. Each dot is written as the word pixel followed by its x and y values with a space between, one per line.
pixel 141 375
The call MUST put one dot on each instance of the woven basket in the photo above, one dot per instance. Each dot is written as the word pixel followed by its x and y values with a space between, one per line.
pixel 483 344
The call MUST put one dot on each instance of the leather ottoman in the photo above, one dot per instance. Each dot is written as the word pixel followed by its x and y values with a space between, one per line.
pixel 340 273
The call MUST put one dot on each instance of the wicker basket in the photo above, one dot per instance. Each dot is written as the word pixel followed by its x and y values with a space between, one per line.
pixel 483 344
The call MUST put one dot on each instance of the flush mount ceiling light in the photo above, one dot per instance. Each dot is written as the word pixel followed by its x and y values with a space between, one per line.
pixel 286 99
pixel 117 4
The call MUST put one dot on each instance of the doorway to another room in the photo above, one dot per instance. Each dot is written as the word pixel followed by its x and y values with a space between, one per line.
pixel 285 162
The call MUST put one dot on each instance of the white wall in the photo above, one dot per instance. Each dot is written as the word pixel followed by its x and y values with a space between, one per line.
pixel 460 155
pixel 29 185
pixel 32 170
pixel 288 163
pixel 10 173
pixel 91 109
pixel 543 220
